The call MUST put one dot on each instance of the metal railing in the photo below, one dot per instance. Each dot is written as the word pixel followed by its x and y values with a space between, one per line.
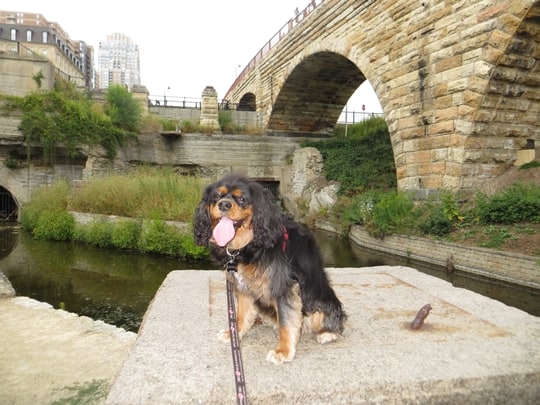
pixel 352 117
pixel 186 102
pixel 299 18
pixel 346 117
pixel 174 101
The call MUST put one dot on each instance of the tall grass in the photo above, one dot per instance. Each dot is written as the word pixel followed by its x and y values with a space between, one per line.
pixel 51 198
pixel 148 193
pixel 362 128
pixel 145 193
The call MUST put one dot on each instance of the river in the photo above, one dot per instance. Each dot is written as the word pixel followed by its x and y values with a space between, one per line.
pixel 117 286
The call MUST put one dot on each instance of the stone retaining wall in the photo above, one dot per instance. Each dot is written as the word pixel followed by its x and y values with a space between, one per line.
pixel 510 267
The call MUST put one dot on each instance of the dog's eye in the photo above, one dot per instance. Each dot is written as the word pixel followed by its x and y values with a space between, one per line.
pixel 216 197
pixel 241 201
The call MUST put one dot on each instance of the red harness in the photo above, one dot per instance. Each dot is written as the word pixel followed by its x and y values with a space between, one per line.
pixel 285 239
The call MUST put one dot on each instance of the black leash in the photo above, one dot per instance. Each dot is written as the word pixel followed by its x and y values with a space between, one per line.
pixel 241 394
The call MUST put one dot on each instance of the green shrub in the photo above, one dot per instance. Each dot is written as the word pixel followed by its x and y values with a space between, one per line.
pixel 126 234
pixel 356 209
pixel 225 120
pixel 123 109
pixel 496 237
pixel 51 198
pixel 54 225
pixel 359 163
pixel 189 248
pixel 518 203
pixel 169 125
pixel 435 222
pixel 66 116
pixel 393 213
pixel 99 233
pixel 159 237
pixel 80 233
pixel 187 126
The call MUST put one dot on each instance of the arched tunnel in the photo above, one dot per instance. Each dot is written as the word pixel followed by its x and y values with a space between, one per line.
pixel 9 208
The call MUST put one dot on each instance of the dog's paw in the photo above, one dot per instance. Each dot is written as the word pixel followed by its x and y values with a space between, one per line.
pixel 326 337
pixel 224 336
pixel 278 357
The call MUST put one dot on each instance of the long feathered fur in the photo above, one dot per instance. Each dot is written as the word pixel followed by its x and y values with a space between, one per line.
pixel 280 269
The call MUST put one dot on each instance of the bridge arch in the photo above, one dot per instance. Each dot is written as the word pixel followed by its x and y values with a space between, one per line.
pixel 248 102
pixel 459 82
pixel 314 93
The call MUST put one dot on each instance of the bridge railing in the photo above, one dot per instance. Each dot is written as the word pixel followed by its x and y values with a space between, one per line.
pixel 352 117
pixel 299 17
pixel 346 117
pixel 186 102
pixel 175 101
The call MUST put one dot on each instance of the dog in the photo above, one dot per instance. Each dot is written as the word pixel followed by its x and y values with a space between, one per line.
pixel 279 269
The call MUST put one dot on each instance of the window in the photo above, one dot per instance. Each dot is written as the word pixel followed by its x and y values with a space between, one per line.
pixel 14 34
pixel 28 35
pixel 45 37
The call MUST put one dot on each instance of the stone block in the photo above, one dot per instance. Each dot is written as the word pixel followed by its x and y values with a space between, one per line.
pixel 441 127
pixel 433 168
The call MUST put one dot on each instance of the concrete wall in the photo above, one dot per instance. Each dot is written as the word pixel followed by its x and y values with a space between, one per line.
pixel 17 75
pixel 261 157
pixel 514 268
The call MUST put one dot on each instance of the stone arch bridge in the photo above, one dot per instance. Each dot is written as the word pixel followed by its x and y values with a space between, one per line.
pixel 458 81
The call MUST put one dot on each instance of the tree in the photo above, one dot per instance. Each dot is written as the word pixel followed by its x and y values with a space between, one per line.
pixel 123 109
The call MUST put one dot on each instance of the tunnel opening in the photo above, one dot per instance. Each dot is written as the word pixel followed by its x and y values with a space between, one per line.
pixel 9 209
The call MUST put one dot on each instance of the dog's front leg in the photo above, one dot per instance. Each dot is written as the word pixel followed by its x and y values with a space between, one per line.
pixel 246 313
pixel 289 318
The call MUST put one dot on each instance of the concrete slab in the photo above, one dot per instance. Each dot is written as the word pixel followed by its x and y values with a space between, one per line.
pixel 471 349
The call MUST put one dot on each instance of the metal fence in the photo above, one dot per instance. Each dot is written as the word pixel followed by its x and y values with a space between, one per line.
pixel 8 206
pixel 353 117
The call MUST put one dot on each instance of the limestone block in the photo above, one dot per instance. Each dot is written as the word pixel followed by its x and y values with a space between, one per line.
pixel 525 156
pixel 323 198
pixel 307 167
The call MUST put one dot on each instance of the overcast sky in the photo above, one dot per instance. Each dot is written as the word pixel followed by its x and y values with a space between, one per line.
pixel 183 45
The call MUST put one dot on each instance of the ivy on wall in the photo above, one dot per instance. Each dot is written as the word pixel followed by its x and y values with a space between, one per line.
pixel 64 116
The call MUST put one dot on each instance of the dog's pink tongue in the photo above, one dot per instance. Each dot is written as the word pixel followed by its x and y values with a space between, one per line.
pixel 224 231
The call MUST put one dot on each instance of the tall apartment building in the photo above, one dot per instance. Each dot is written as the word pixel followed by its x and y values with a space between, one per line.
pixel 26 35
pixel 118 62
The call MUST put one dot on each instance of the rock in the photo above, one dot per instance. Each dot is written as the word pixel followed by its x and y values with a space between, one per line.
pixel 308 186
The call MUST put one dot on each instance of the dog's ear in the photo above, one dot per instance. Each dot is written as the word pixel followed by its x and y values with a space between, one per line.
pixel 267 224
pixel 202 224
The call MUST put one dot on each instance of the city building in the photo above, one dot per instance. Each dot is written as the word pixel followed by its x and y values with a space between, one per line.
pixel 118 62
pixel 28 38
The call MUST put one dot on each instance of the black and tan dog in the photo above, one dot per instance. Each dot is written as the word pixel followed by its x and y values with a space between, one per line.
pixel 280 274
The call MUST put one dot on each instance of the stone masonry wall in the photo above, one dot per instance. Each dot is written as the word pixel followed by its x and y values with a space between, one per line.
pixel 459 81
pixel 514 268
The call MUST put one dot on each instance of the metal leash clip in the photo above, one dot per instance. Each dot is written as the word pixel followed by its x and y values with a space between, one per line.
pixel 230 266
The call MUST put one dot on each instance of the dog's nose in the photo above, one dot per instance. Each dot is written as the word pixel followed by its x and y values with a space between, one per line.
pixel 224 205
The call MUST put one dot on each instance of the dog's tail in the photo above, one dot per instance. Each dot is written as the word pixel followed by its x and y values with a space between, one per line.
pixel 335 316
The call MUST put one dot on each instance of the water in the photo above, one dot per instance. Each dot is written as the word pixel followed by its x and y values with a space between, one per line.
pixel 117 286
